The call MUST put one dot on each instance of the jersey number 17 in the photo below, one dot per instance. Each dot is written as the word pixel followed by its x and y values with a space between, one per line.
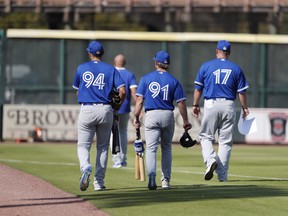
pixel 218 73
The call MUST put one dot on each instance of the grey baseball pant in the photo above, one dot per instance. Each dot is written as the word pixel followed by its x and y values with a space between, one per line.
pixel 218 115
pixel 95 119
pixel 159 127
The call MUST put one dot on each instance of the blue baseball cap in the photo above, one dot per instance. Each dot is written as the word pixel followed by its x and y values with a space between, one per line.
pixel 162 57
pixel 95 48
pixel 224 45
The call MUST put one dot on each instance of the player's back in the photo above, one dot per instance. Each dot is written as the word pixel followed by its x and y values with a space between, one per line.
pixel 95 81
pixel 160 89
pixel 220 78
pixel 130 81
pixel 95 67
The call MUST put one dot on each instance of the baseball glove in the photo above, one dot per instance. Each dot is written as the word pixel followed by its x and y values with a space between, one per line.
pixel 186 141
pixel 116 101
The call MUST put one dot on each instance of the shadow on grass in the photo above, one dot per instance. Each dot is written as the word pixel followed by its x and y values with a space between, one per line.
pixel 125 197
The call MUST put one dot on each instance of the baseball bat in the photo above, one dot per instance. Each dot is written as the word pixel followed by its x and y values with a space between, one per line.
pixel 142 167
pixel 115 134
pixel 137 167
pixel 139 158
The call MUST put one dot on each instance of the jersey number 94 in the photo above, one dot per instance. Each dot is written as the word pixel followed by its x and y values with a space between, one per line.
pixel 89 79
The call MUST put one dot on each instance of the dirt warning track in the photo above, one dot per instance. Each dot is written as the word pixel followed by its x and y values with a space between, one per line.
pixel 22 194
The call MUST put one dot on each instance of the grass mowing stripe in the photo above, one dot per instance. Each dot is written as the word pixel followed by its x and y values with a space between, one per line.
pixel 176 171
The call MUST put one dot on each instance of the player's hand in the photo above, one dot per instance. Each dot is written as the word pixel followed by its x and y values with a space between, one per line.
pixel 196 111
pixel 187 126
pixel 245 112
pixel 137 124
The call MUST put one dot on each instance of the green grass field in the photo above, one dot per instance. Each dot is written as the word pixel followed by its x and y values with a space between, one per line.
pixel 258 181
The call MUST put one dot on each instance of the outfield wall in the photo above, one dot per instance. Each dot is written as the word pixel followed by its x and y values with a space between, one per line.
pixel 38 66
pixel 60 121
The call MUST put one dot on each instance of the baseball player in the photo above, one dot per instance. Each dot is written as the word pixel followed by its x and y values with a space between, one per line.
pixel 160 89
pixel 94 80
pixel 220 81
pixel 119 160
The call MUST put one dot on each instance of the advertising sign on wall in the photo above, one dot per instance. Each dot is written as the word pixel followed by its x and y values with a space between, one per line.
pixel 60 123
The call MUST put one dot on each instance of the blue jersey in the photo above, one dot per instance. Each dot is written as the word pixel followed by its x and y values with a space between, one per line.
pixel 95 80
pixel 160 90
pixel 130 82
pixel 220 78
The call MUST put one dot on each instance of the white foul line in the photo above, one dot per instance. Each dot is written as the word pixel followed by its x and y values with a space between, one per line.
pixel 174 169
pixel 240 176
pixel 261 177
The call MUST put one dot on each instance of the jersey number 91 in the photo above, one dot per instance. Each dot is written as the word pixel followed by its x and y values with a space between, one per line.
pixel 155 89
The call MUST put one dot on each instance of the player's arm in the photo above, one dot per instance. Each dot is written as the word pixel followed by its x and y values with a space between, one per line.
pixel 133 88
pixel 119 84
pixel 137 110
pixel 134 99
pixel 133 95
pixel 122 93
pixel 243 101
pixel 196 101
pixel 183 111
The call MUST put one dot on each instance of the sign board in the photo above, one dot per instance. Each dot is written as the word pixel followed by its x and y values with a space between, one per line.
pixel 60 122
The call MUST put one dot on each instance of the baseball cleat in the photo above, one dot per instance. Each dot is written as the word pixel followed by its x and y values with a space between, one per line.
pixel 98 187
pixel 165 184
pixel 117 165
pixel 152 183
pixel 84 180
pixel 222 177
pixel 124 164
pixel 209 171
